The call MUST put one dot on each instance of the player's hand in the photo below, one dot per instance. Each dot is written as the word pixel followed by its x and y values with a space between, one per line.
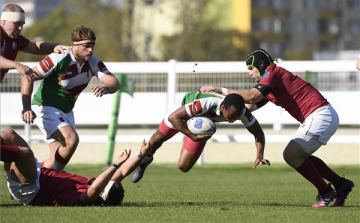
pixel 261 161
pixel 199 138
pixel 28 116
pixel 99 91
pixel 123 157
pixel 145 148
pixel 22 69
pixel 61 48
pixel 210 89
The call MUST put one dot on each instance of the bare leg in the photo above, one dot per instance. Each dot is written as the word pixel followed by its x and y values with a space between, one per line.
pixel 23 169
pixel 63 148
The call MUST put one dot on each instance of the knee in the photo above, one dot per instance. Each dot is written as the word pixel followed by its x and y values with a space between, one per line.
pixel 287 156
pixel 26 153
pixel 73 141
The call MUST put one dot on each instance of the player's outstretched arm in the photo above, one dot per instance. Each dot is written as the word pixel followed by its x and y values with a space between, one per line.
pixel 130 165
pixel 256 130
pixel 93 193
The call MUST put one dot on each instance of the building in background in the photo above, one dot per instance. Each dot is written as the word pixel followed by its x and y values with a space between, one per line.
pixel 289 26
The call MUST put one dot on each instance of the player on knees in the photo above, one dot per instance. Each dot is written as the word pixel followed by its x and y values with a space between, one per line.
pixel 217 107
pixel 12 22
pixel 62 83
pixel 30 184
pixel 318 122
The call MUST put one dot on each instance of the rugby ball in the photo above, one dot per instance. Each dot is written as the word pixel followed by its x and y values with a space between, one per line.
pixel 201 126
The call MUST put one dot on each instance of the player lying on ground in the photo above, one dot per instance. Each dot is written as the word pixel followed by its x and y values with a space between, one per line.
pixel 218 108
pixel 318 122
pixel 30 184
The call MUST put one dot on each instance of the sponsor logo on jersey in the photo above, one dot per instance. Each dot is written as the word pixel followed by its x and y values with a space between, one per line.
pixel 14 45
pixel 46 64
pixel 266 74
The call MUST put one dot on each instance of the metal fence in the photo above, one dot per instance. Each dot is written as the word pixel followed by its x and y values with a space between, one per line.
pixel 158 82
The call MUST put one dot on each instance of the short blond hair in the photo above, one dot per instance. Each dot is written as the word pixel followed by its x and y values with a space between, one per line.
pixel 13 8
pixel 82 33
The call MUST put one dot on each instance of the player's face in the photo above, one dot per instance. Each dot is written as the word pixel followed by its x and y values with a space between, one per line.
pixel 254 73
pixel 12 29
pixel 231 114
pixel 84 51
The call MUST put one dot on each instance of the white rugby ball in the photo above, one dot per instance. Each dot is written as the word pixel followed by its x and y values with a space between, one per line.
pixel 201 126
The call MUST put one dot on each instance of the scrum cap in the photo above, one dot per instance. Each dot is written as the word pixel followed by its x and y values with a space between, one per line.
pixel 259 59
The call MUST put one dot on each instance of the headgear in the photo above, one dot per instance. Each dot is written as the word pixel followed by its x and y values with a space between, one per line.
pixel 259 59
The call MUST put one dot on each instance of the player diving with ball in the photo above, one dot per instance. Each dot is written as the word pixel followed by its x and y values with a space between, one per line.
pixel 217 107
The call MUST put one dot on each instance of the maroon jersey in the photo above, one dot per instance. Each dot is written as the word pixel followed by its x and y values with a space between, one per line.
pixel 291 92
pixel 60 188
pixel 10 48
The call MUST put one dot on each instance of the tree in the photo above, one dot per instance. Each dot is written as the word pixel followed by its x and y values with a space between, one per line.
pixel 202 39
pixel 106 21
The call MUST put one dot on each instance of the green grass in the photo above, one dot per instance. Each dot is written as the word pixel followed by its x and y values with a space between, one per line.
pixel 208 193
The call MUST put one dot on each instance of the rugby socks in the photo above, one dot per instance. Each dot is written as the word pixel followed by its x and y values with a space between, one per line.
pixel 310 172
pixel 9 153
pixel 325 171
pixel 60 162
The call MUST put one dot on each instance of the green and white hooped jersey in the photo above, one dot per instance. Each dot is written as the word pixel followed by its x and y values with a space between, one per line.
pixel 208 104
pixel 64 79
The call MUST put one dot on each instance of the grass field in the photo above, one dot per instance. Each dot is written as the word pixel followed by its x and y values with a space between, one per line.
pixel 208 193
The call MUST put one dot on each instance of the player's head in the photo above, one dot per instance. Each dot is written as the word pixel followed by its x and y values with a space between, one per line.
pixel 113 194
pixel 12 20
pixel 232 107
pixel 260 60
pixel 83 40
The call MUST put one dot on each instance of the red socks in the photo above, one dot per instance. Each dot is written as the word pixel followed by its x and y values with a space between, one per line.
pixel 325 171
pixel 310 172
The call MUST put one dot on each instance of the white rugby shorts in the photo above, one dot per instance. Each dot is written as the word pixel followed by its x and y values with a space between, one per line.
pixel 49 119
pixel 317 129
pixel 24 193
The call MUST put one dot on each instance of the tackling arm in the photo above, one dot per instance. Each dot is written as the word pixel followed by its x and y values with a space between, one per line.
pixel 44 48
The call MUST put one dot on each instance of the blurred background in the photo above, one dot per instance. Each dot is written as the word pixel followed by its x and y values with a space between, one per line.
pixel 201 30
pixel 169 47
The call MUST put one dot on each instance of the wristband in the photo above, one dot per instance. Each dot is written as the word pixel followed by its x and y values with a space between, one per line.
pixel 116 166
pixel 225 91
pixel 140 157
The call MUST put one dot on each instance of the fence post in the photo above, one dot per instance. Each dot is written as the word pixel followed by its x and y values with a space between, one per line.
pixel 172 84
pixel 128 87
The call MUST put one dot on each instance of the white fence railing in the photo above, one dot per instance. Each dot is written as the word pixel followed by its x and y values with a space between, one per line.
pixel 147 108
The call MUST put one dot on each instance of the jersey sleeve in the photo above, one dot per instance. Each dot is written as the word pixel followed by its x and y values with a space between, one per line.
pixel 22 42
pixel 47 65
pixel 98 67
pixel 247 118
pixel 270 79
pixel 199 107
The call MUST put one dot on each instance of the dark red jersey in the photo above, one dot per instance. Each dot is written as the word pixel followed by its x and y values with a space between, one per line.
pixel 291 92
pixel 10 48
pixel 60 188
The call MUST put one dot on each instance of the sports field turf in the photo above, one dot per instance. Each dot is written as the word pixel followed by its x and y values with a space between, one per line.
pixel 208 193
